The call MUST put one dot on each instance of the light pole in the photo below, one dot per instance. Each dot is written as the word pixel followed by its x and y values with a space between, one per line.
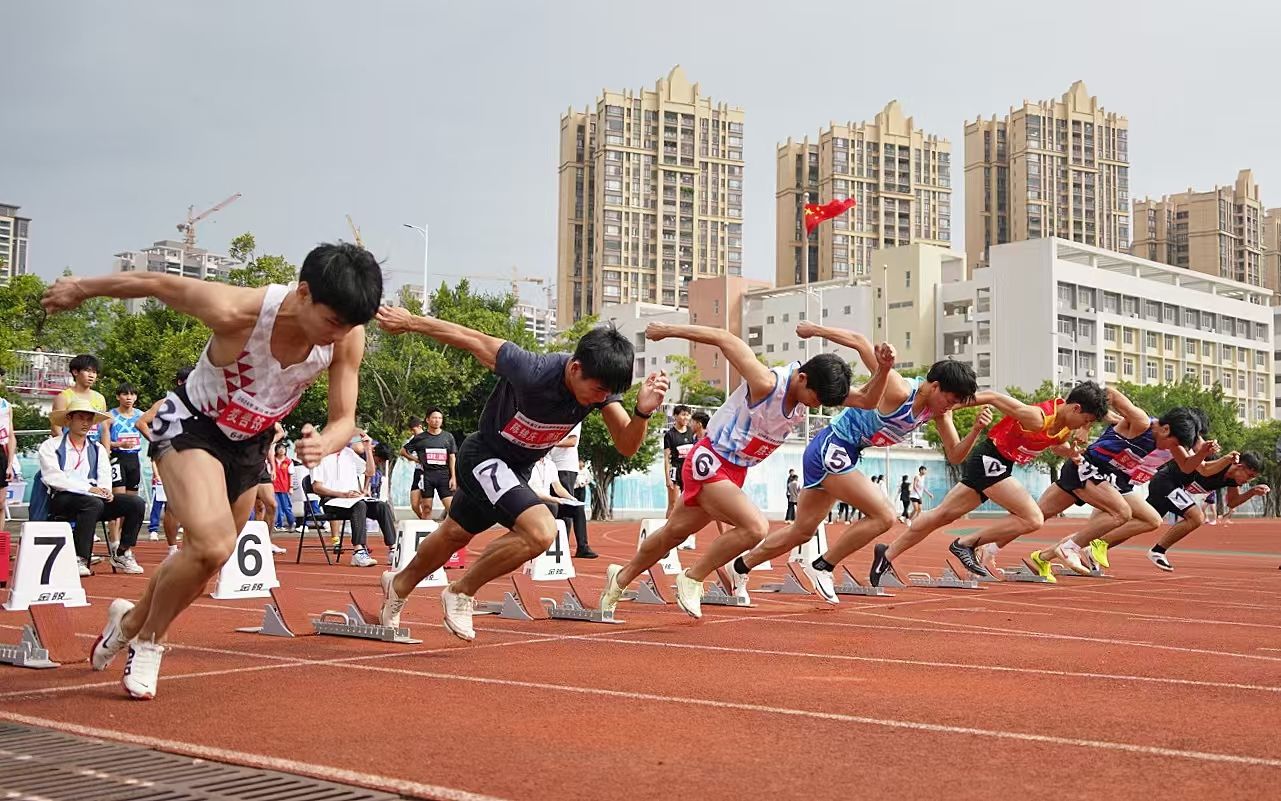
pixel 422 230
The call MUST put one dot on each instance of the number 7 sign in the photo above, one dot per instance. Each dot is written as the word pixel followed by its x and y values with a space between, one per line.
pixel 46 572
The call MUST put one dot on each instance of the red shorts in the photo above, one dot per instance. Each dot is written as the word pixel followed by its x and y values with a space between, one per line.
pixel 704 465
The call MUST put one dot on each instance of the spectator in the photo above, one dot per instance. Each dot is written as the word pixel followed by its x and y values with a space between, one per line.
pixel 40 366
pixel 8 457
pixel 580 484
pixel 545 483
pixel 905 498
pixel 918 491
pixel 124 442
pixel 281 483
pixel 342 480
pixel 84 374
pixel 565 457
pixel 793 493
pixel 77 472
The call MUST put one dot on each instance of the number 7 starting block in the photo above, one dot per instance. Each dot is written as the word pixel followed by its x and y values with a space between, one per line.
pixel 47 642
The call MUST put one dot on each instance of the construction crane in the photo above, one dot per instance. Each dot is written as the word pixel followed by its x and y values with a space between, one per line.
pixel 355 232
pixel 188 228
pixel 516 279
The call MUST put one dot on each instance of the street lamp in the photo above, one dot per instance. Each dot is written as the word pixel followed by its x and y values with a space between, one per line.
pixel 422 230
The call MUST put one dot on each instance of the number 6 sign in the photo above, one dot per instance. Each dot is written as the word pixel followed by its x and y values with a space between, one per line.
pixel 46 572
pixel 249 572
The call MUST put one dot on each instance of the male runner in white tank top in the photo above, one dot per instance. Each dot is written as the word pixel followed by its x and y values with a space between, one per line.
pixel 210 436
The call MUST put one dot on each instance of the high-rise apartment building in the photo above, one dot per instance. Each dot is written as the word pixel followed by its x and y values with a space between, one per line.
pixel 899 175
pixel 175 258
pixel 651 197
pixel 1055 168
pixel 539 321
pixel 1219 232
pixel 1272 252
pixel 13 242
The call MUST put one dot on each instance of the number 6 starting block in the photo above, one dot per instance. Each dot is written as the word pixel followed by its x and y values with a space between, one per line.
pixel 285 617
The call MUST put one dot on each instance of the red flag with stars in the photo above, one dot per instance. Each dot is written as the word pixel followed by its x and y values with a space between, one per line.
pixel 815 214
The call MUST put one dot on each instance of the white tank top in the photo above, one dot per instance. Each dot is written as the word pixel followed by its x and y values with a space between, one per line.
pixel 254 392
pixel 744 433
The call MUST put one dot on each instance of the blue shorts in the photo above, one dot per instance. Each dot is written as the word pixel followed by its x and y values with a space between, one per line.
pixel 827 454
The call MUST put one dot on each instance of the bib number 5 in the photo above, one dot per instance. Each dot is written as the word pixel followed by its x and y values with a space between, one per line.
pixel 495 478
pixel 836 458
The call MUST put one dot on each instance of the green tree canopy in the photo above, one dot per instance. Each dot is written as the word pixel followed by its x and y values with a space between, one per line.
pixel 256 270
pixel 596 446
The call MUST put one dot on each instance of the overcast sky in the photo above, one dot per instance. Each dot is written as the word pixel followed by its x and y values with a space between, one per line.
pixel 116 116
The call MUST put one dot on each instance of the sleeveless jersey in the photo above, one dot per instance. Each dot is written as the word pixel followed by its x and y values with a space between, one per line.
pixel 869 428
pixel 1022 446
pixel 5 419
pixel 124 429
pixel 743 433
pixel 1137 458
pixel 253 393
pixel 96 400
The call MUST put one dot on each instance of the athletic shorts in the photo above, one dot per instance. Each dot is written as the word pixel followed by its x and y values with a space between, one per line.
pixel 4 466
pixel 985 467
pixel 416 483
pixel 490 491
pixel 435 481
pixel 677 474
pixel 265 476
pixel 1168 498
pixel 1074 476
pixel 827 454
pixel 242 461
pixel 704 466
pixel 126 471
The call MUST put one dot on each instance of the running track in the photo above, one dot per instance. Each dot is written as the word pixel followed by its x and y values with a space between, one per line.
pixel 1147 683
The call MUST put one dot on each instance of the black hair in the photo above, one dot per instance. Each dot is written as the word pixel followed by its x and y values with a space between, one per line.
pixel 922 467
pixel 415 421
pixel 679 409
pixel 1251 460
pixel 1202 421
pixel 703 418
pixel 84 361
pixel 1092 398
pixel 126 388
pixel 1183 425
pixel 605 355
pixel 955 378
pixel 281 444
pixel 381 451
pixel 183 375
pixel 346 278
pixel 434 410
pixel 829 376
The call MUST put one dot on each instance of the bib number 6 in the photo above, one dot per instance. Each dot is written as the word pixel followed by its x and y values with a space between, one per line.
pixel 495 478
pixel 705 464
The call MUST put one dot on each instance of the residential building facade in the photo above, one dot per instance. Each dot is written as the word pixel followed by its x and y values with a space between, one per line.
pixel 176 258
pixel 14 234
pixel 539 321
pixel 631 319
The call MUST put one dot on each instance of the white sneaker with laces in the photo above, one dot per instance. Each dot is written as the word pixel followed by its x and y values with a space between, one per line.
pixel 613 592
pixel 823 584
pixel 362 558
pixel 393 604
pixel 154 536
pixel 1071 557
pixel 689 595
pixel 1160 561
pixel 83 567
pixel 458 611
pixel 112 640
pixel 126 563
pixel 142 668
pixel 738 584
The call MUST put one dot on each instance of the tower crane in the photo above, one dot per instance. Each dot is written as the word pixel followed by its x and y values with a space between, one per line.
pixel 355 231
pixel 188 228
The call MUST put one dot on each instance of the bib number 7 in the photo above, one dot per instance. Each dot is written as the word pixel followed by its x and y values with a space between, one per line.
pixel 495 478
pixel 1180 498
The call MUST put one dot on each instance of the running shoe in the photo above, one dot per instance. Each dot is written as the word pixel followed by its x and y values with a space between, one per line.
pixel 880 565
pixel 1099 553
pixel 112 640
pixel 458 610
pixel 1160 561
pixel 689 595
pixel 1071 556
pixel 126 563
pixel 1042 567
pixel 965 554
pixel 738 584
pixel 389 615
pixel 823 584
pixel 142 668
pixel 613 592
pixel 362 558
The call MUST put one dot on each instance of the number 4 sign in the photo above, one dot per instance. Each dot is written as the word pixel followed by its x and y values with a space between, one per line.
pixel 250 571
pixel 409 535
pixel 554 563
pixel 46 572
pixel 812 548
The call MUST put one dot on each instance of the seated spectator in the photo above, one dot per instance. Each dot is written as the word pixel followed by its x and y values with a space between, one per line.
pixel 344 476
pixel 77 473
pixel 545 482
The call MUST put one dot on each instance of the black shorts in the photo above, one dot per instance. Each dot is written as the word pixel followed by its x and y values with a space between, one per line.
pixel 1169 498
pixel 416 483
pixel 265 476
pixel 984 467
pixel 1073 477
pixel 126 471
pixel 4 466
pixel 676 477
pixel 490 491
pixel 435 481
pixel 242 460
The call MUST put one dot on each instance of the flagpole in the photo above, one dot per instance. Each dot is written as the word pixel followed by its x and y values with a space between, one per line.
pixel 885 316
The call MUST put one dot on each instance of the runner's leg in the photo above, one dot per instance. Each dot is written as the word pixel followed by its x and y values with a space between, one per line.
pixel 684 521
pixel 724 501
pixel 958 502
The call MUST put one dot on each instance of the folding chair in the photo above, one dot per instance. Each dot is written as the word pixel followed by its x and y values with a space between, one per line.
pixel 319 523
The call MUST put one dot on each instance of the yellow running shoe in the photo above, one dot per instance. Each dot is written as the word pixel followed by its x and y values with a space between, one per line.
pixel 1041 567
pixel 1099 552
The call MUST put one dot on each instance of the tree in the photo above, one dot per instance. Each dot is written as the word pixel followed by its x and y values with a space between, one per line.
pixel 79 331
pixel 1157 399
pixel 694 389
pixel 257 270
pixel 148 348
pixel 597 447
pixel 1264 439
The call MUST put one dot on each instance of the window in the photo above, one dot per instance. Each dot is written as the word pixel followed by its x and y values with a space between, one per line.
pixel 716 308
pixel 1109 333
pixel 907 339
pixel 785 317
pixel 1170 342
pixel 907 279
pixel 1189 347
pixel 1150 339
pixel 1065 294
pixel 1128 363
pixel 1241 383
pixel 785 345
pixel 769 348
pixel 1127 336
pixel 1205 378
pixel 1169 374
pixel 1109 363
pixel 769 320
pixel 1150 370
pixel 846 310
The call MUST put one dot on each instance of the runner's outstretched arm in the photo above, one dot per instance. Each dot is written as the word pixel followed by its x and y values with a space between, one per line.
pixel 869 395
pixel 1029 417
pixel 629 430
pixel 225 309
pixel 396 320
pixel 1132 417
pixel 955 448
pixel 759 378
pixel 850 339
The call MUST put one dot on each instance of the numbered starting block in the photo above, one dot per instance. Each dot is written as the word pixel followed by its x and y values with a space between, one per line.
pixel 852 586
pixel 652 590
pixel 1024 573
pixel 1064 570
pixel 949 579
pixel 46 642
pixel 794 582
pixel 285 616
pixel 523 602
pixel 719 595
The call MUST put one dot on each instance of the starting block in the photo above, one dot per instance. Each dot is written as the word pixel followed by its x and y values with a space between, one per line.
pixel 652 590
pixel 524 603
pixel 1064 570
pixel 852 586
pixel 949 579
pixel 284 617
pixel 794 582
pixel 719 595
pixel 47 642
pixel 1022 572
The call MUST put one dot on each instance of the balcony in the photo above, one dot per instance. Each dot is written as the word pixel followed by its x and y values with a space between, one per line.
pixel 39 375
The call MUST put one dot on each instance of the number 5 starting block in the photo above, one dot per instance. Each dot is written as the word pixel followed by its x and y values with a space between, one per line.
pixel 524 603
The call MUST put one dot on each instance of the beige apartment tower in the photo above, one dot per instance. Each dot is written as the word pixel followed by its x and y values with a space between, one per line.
pixel 651 197
pixel 1054 168
pixel 1219 232
pixel 899 175
pixel 1272 252
pixel 14 231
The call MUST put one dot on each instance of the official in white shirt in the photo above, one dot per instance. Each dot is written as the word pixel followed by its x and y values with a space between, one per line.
pixel 545 483
pixel 345 475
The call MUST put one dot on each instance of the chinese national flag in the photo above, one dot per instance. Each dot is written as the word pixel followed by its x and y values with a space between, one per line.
pixel 815 214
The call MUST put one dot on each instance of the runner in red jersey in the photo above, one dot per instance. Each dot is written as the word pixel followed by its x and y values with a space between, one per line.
pixel 1024 432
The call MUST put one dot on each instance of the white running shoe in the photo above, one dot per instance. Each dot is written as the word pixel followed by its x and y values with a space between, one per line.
pixel 112 640
pixel 1160 561
pixel 613 592
pixel 362 558
pixel 126 563
pixel 154 536
pixel 83 567
pixel 822 581
pixel 689 595
pixel 142 668
pixel 986 554
pixel 393 604
pixel 738 584
pixel 277 549
pixel 458 611
pixel 1071 557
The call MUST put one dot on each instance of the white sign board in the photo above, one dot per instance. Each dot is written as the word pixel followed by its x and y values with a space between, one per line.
pixel 671 562
pixel 811 549
pixel 554 563
pixel 46 572
pixel 250 571
pixel 409 535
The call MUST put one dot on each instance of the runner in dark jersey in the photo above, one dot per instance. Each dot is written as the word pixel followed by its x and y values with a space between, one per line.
pixel 677 442
pixel 538 399
pixel 434 452
pixel 1174 492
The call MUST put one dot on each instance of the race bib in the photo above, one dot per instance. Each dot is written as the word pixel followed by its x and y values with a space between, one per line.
pixel 1126 461
pixel 760 446
pixel 532 434
pixel 435 456
pixel 1086 471
pixel 129 443
pixel 1181 499
pixel 169 419
pixel 883 439
pixel 495 478
pixel 704 463
pixel 245 417
pixel 1195 488
pixel 117 475
pixel 683 450
pixel 993 467
pixel 836 459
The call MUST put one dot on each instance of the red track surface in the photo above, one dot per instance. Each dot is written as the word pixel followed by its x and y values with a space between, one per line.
pixel 1150 682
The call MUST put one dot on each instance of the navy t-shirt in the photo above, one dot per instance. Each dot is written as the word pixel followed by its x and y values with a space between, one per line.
pixel 530 409
pixel 432 450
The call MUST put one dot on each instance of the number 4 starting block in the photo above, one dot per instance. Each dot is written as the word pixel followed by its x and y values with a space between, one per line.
pixel 46 642
pixel 285 617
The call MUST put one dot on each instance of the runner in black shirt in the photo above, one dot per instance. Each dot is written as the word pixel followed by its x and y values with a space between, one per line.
pixel 677 441
pixel 433 450
pixel 1172 491
pixel 539 399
